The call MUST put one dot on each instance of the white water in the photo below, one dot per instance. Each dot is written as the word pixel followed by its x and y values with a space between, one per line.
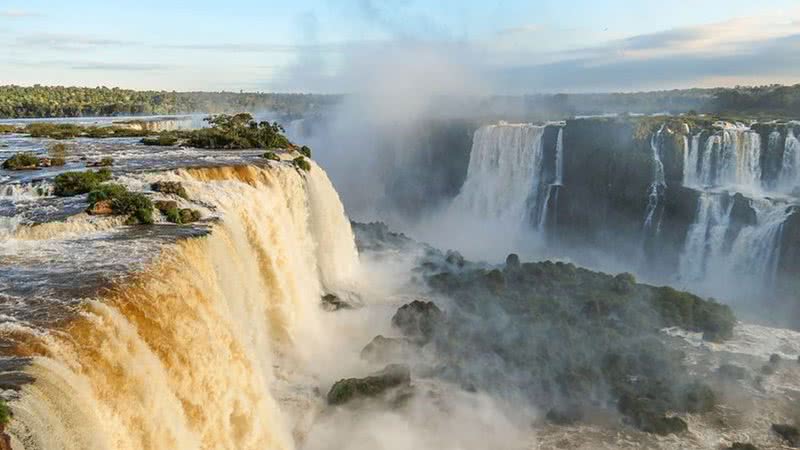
pixel 658 184
pixel 551 199
pixel 731 158
pixel 706 236
pixel 193 353
pixel 737 266
pixel 504 173
pixel 789 177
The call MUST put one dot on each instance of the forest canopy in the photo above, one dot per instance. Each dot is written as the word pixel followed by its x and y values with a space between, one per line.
pixel 57 101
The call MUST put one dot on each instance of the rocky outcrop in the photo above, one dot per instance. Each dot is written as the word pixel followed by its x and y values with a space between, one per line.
pixel 348 389
pixel 418 320
pixel 788 433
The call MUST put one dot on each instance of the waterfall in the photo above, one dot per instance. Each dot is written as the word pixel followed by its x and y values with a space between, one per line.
pixel 551 199
pixel 691 159
pixel 504 174
pixel 706 236
pixel 789 177
pixel 755 252
pixel 730 157
pixel 659 183
pixel 191 353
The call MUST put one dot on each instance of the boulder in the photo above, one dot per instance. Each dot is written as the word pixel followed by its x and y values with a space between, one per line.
pixel 789 433
pixel 345 390
pixel 418 320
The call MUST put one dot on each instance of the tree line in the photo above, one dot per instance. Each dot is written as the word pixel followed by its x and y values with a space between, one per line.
pixel 58 101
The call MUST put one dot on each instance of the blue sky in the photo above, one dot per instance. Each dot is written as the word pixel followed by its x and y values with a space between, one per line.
pixel 502 46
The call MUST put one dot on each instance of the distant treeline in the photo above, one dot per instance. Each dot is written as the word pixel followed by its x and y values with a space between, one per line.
pixel 57 101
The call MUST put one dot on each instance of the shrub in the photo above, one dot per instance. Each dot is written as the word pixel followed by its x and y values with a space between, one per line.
pixel 8 129
pixel 106 162
pixel 305 151
pixel 272 156
pixel 21 161
pixel 301 163
pixel 5 413
pixel 238 131
pixel 163 140
pixel 75 183
pixel 138 206
pixel 170 187
pixel 106 192
pixel 53 130
pixel 58 162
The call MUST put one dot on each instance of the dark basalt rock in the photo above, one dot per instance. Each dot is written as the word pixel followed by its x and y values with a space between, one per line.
pixel 343 391
pixel 789 433
pixel 418 320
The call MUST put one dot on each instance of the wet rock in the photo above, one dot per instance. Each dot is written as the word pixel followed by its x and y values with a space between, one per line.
pixel 345 390
pixel 774 359
pixel 646 415
pixel 418 320
pixel 331 303
pixel 789 434
pixel 387 349
pixel 101 208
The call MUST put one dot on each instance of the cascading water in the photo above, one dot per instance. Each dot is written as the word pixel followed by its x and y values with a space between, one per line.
pixel 184 356
pixel 504 174
pixel 789 177
pixel 551 199
pixel 730 157
pixel 755 251
pixel 657 186
pixel 706 236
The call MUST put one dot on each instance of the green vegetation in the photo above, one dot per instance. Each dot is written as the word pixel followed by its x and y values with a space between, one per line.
pixel 177 215
pixel 272 156
pixel 165 139
pixel 75 183
pixel 8 129
pixel 71 130
pixel 170 188
pixel 566 335
pixel 301 163
pixel 392 376
pixel 5 413
pixel 122 202
pixel 58 101
pixel 238 131
pixel 305 151
pixel 21 161
pixel 106 161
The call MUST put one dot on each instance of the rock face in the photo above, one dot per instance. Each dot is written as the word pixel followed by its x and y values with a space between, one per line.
pixel 348 389
pixel 789 433
pixel 418 320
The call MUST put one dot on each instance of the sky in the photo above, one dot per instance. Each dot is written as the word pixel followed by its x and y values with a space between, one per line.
pixel 504 47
